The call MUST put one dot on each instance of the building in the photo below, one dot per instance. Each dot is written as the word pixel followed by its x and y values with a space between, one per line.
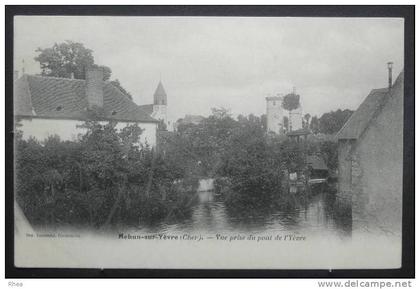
pixel 295 119
pixel 317 167
pixel 45 106
pixel 275 115
pixel 294 109
pixel 370 153
pixel 158 110
pixel 188 119
pixel 299 135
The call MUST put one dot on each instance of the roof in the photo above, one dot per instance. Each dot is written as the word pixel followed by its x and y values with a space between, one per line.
pixel 189 118
pixel 52 97
pixel 302 131
pixel 316 162
pixel 159 96
pixel 147 108
pixel 360 120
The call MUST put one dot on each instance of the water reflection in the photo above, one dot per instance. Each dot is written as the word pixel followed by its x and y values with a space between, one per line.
pixel 300 211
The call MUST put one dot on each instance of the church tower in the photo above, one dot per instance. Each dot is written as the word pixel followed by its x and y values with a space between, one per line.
pixel 275 121
pixel 160 105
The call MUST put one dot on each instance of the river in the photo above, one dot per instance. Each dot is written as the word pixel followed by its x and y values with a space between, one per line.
pixel 299 212
pixel 327 239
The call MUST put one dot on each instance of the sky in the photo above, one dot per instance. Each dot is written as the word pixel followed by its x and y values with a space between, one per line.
pixel 231 62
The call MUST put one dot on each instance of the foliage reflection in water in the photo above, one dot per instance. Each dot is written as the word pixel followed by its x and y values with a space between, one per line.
pixel 315 212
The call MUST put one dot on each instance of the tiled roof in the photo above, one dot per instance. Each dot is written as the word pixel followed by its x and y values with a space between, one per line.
pixel 370 107
pixel 53 97
pixel 147 108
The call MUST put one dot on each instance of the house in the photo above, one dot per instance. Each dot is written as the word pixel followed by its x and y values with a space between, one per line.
pixel 317 167
pixel 45 106
pixel 188 119
pixel 370 156
pixel 299 135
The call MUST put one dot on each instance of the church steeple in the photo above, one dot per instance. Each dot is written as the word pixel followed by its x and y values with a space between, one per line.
pixel 159 97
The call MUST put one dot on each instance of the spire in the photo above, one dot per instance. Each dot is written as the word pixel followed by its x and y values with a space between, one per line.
pixel 159 97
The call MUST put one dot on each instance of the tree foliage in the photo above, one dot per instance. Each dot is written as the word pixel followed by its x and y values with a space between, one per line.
pixel 67 58
pixel 118 85
pixel 71 59
pixel 314 126
pixel 104 178
pixel 332 122
pixel 291 101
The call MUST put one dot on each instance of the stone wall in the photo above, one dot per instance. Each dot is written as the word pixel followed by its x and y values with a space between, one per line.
pixel 275 115
pixel 344 170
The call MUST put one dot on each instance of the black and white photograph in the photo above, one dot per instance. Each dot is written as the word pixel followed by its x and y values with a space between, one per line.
pixel 198 142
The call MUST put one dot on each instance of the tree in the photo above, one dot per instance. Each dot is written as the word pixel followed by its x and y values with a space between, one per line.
pixel 162 125
pixel 220 112
pixel 307 117
pixel 332 122
pixel 67 59
pixel 286 123
pixel 264 121
pixel 314 126
pixel 117 84
pixel 71 59
pixel 291 102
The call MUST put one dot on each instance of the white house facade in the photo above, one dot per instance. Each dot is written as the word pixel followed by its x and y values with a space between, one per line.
pixel 47 106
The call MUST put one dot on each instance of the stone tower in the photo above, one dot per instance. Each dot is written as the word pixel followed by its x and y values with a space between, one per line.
pixel 275 122
pixel 295 121
pixel 160 104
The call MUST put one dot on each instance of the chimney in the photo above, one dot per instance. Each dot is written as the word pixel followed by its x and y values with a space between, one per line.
pixel 94 87
pixel 389 75
pixel 15 75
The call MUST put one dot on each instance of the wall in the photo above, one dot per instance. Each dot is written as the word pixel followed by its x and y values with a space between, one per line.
pixel 295 121
pixel 274 116
pixel 67 129
pixel 344 169
pixel 380 154
pixel 160 113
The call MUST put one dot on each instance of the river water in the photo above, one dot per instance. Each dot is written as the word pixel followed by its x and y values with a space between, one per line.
pixel 329 240
pixel 298 212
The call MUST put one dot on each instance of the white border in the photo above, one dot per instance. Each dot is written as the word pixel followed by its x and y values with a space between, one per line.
pixel 184 284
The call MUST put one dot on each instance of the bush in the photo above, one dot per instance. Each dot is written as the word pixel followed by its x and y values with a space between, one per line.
pixel 102 179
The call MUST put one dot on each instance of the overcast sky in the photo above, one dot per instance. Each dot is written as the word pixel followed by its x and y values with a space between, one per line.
pixel 232 62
